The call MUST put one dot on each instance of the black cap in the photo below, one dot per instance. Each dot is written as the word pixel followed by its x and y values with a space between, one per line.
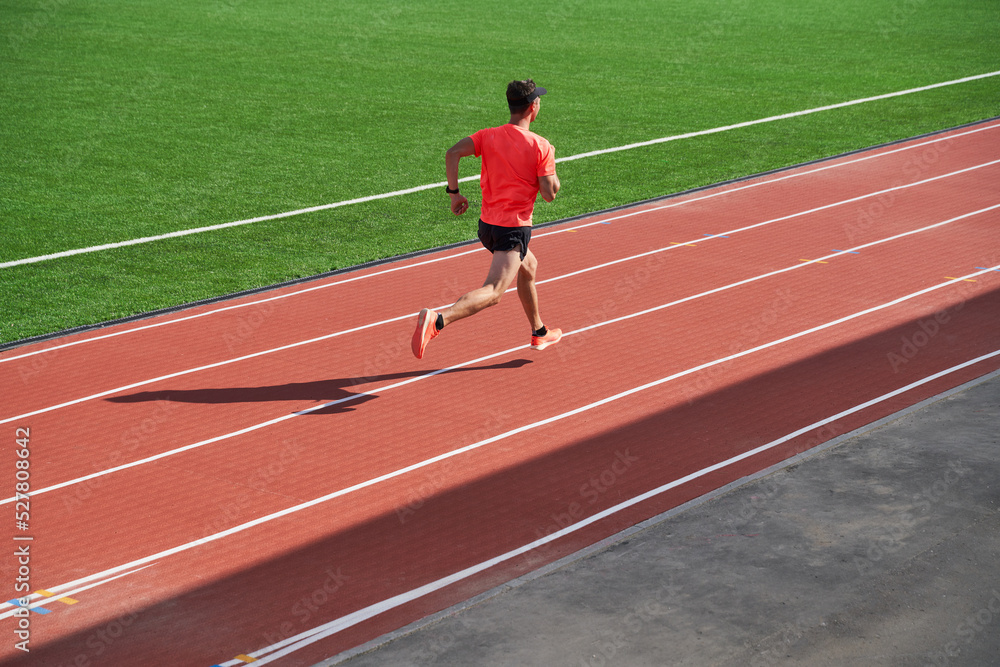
pixel 521 102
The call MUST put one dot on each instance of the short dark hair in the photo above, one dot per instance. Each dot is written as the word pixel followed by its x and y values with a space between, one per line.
pixel 519 90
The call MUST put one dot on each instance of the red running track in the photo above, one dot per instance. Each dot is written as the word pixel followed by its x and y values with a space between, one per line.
pixel 276 479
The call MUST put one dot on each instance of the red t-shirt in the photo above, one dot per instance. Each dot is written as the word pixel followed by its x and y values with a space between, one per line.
pixel 513 159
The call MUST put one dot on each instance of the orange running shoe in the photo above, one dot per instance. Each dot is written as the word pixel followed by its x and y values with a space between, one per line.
pixel 550 338
pixel 426 330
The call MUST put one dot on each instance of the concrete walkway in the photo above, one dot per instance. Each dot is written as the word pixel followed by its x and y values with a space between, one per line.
pixel 880 548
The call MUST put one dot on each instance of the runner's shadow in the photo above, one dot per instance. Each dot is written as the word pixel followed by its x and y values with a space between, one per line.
pixel 334 392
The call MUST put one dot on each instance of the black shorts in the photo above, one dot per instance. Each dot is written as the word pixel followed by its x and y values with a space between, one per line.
pixel 502 239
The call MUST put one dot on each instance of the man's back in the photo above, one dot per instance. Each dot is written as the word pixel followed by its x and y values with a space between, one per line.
pixel 513 160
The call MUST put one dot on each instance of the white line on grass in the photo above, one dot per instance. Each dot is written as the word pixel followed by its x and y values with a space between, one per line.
pixel 780 117
pixel 482 443
pixel 398 318
pixel 375 392
pixel 541 234
pixel 312 635
pixel 419 188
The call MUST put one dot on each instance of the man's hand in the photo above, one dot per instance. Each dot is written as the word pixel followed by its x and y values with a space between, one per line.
pixel 464 148
pixel 459 204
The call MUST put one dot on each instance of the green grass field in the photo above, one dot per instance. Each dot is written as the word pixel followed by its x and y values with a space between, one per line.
pixel 129 119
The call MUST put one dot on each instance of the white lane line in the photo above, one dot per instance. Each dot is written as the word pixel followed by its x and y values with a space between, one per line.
pixel 197 369
pixel 779 271
pixel 774 220
pixel 542 234
pixel 289 346
pixel 386 195
pixel 375 392
pixel 482 443
pixel 10 608
pixel 240 305
pixel 308 637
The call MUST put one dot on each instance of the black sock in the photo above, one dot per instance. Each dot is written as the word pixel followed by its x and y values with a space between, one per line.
pixel 439 324
pixel 541 332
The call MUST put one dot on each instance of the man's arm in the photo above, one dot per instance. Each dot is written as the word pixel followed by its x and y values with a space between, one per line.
pixel 463 148
pixel 548 186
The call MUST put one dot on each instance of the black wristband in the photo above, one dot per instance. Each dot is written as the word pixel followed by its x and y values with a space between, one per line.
pixel 450 191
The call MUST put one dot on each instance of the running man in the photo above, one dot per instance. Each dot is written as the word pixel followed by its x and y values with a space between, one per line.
pixel 517 165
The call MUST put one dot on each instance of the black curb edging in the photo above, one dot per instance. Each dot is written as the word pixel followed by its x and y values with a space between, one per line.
pixel 419 253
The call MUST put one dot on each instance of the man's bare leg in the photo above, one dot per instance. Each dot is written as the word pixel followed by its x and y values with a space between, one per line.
pixel 503 269
pixel 526 290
